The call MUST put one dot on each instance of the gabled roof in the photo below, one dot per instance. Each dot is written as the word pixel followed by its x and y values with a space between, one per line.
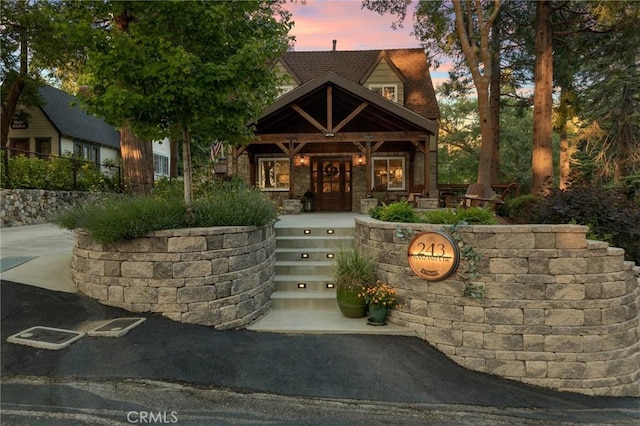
pixel 330 77
pixel 64 112
pixel 355 65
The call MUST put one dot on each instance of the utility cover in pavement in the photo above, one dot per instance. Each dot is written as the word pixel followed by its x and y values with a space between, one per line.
pixel 45 337
pixel 11 262
pixel 117 327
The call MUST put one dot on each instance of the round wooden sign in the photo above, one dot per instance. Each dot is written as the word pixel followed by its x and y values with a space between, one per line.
pixel 433 255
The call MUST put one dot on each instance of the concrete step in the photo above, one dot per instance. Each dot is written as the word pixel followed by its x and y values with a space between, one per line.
pixel 296 267
pixel 329 321
pixel 309 242
pixel 316 231
pixel 295 300
pixel 304 254
pixel 315 283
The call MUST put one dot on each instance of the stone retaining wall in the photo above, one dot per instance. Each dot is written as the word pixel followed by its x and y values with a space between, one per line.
pixel 220 276
pixel 30 206
pixel 559 311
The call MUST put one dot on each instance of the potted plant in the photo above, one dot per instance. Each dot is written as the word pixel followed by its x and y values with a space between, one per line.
pixel 354 270
pixel 380 298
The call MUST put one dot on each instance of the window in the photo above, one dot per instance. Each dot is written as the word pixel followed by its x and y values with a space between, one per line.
pixel 160 165
pixel 19 147
pixel 389 173
pixel 273 174
pixel 389 91
pixel 88 152
pixel 43 147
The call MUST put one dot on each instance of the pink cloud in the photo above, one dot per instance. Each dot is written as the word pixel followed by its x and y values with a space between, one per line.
pixel 317 23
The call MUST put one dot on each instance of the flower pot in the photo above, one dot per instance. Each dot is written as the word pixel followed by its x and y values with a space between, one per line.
pixel 378 314
pixel 349 303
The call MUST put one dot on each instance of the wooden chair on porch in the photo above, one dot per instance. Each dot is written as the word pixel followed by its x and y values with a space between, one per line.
pixel 474 192
pixel 415 192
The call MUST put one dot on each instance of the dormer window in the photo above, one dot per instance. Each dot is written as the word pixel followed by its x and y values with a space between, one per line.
pixel 389 91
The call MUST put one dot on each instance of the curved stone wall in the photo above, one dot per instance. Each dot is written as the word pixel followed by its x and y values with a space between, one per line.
pixel 219 276
pixel 559 311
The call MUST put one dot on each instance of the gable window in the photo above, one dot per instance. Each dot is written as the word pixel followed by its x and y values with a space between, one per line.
pixel 389 91
pixel 273 174
pixel 160 165
pixel 389 173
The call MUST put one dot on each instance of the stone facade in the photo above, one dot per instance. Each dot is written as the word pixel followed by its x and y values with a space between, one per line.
pixel 219 276
pixel 559 311
pixel 31 206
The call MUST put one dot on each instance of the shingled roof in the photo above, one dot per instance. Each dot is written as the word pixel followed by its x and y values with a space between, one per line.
pixel 355 65
pixel 72 121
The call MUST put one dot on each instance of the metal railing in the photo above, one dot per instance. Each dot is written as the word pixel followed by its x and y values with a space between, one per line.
pixel 108 171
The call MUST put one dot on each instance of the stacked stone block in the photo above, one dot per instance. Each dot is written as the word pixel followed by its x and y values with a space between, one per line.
pixel 31 206
pixel 220 276
pixel 559 311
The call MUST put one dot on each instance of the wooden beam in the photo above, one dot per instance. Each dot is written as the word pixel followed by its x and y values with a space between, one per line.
pixel 350 117
pixel 368 165
pixel 299 147
pixel 418 145
pixel 350 137
pixel 282 147
pixel 427 167
pixel 330 110
pixel 377 146
pixel 309 118
pixel 362 149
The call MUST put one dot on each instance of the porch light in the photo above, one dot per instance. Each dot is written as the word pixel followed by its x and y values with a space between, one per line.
pixel 301 160
pixel 302 285
pixel 360 160
pixel 330 285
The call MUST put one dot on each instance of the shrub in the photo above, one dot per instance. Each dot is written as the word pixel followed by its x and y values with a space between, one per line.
pixel 476 216
pixel 608 213
pixel 521 209
pixel 397 212
pixel 446 216
pixel 112 220
pixel 376 212
pixel 472 215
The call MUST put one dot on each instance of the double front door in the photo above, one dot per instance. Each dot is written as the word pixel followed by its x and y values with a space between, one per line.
pixel 331 183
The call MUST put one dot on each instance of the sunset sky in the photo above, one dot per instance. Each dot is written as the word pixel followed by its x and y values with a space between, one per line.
pixel 318 22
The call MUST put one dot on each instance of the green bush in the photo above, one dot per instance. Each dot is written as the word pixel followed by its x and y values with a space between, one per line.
pixel 441 216
pixel 472 215
pixel 476 216
pixel 56 174
pixel 610 215
pixel 117 219
pixel 397 212
pixel 521 209
pixel 376 212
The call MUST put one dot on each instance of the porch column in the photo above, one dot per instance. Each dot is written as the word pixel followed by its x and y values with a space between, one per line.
pixel 368 164
pixel 427 166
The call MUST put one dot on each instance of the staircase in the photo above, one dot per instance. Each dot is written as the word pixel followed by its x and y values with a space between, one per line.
pixel 304 297
pixel 304 267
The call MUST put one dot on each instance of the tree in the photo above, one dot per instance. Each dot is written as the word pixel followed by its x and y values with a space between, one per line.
pixel 471 22
pixel 26 47
pixel 542 158
pixel 200 67
pixel 609 89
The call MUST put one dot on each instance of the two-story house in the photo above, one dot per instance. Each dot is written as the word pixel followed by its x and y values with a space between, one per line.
pixel 348 123
pixel 60 127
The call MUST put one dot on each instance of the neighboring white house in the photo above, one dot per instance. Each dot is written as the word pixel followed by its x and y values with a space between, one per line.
pixel 60 127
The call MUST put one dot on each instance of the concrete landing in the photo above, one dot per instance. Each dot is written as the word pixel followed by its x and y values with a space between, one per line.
pixel 322 322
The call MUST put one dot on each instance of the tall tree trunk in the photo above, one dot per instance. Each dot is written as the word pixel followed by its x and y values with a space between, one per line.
pixel 137 161
pixel 478 56
pixel 494 100
pixel 10 104
pixel 542 156
pixel 186 162
pixel 173 165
